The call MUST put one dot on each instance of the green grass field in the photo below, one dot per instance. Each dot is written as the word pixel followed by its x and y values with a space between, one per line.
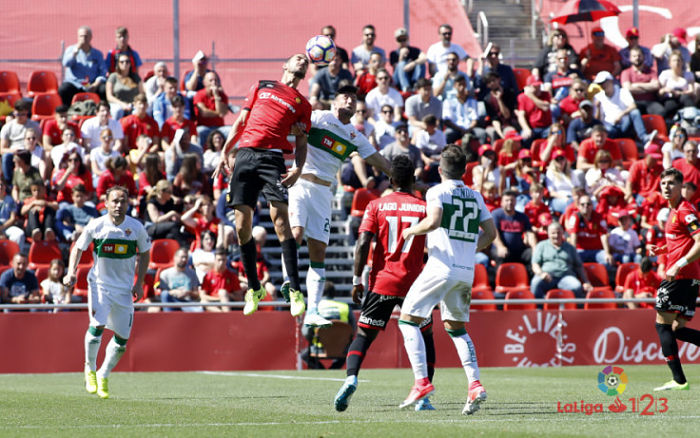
pixel 522 402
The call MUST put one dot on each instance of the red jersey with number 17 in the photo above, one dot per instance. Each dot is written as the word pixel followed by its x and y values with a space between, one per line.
pixel 681 226
pixel 274 107
pixel 395 263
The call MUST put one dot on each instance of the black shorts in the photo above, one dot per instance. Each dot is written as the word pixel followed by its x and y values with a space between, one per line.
pixel 677 296
pixel 377 309
pixel 255 171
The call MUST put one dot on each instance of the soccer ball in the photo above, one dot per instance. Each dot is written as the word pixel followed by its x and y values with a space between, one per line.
pixel 320 50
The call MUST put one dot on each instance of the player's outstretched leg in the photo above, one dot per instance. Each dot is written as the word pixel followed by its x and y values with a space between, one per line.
pixel 415 348
pixel 467 355
pixel 315 282
pixel 114 351
pixel 93 339
pixel 427 332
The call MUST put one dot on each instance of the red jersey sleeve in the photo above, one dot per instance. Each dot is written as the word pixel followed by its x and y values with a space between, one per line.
pixel 250 98
pixel 688 217
pixel 369 220
pixel 572 223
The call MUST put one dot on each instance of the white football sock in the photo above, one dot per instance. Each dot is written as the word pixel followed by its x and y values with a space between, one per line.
pixel 415 348
pixel 467 355
pixel 113 353
pixel 315 281
pixel 92 346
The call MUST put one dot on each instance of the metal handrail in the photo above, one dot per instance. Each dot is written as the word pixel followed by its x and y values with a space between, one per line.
pixel 482 28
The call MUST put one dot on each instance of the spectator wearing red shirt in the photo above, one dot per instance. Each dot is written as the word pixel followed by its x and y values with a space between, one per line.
pixel 220 285
pixel 641 283
pixel 556 142
pixel 599 141
pixel 644 175
pixel 52 132
pixel 538 212
pixel 210 106
pixel 201 217
pixel 117 175
pixel 138 123
pixel 689 166
pixel 569 106
pixel 368 80
pixel 588 232
pixel 75 172
pixel 643 82
pixel 534 115
pixel 598 56
pixel 175 122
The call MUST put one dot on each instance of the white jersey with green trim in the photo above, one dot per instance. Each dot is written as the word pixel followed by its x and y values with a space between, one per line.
pixel 115 251
pixel 452 246
pixel 330 143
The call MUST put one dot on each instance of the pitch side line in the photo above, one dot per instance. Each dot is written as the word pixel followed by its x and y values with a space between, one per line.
pixel 460 420
pixel 274 376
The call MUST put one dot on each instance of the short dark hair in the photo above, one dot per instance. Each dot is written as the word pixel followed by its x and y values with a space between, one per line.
pixel 672 172
pixel 598 128
pixel 690 185
pixel 61 109
pixel 453 161
pixel 402 172
pixel 423 82
pixel 103 103
pixel 22 105
pixel 177 100
pixel 171 80
pixel 117 189
pixel 512 193
pixel 430 120
pixel 491 76
pixel 220 251
pixel 79 188
pixel 347 89
pixel 369 26
pixel 25 156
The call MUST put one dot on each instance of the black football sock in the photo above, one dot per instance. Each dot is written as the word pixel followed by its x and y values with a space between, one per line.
pixel 291 262
pixel 686 334
pixel 356 353
pixel 429 352
pixel 249 255
pixel 669 348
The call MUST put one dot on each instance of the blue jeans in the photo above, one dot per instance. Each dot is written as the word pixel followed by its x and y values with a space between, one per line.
pixel 559 204
pixel 405 80
pixel 165 297
pixel 8 166
pixel 539 286
pixel 592 256
pixel 632 120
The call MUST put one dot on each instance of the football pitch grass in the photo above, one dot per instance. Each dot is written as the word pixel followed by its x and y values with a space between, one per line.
pixel 521 402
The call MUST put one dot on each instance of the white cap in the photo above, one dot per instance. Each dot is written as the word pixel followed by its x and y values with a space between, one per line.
pixel 663 214
pixel 199 56
pixel 602 77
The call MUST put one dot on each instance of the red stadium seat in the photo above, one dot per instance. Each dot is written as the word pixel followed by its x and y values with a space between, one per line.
pixel 559 294
pixel 10 98
pixel 597 274
pixel 42 81
pixel 482 294
pixel 41 274
pixel 621 275
pixel 468 177
pixel 629 151
pixel 521 75
pixel 511 276
pixel 162 253
pixel 44 105
pixel 81 284
pixel 86 258
pixel 42 252
pixel 481 277
pixel 148 290
pixel 8 249
pixel 655 121
pixel 9 83
pixel 600 293
pixel 521 294
pixel 79 97
pixel 360 199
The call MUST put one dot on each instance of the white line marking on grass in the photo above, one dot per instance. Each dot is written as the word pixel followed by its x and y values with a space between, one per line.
pixel 459 420
pixel 273 376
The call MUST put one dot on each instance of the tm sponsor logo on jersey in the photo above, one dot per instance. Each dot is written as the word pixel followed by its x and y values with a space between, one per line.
pixel 117 248
pixel 268 95
pixel 393 206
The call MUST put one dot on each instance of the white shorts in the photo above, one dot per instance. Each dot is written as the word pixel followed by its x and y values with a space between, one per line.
pixel 310 208
pixel 114 310
pixel 454 297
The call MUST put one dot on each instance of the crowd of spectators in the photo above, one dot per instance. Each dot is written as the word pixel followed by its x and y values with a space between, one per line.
pixel 552 150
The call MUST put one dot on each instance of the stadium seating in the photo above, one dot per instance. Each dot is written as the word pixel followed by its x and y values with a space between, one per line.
pixel 521 75
pixel 520 294
pixel 81 284
pixel 482 294
pixel 621 275
pixel 79 97
pixel 334 339
pixel 9 83
pixel 510 277
pixel 468 177
pixel 360 199
pixel 162 253
pixel 598 276
pixel 41 274
pixel 655 121
pixel 629 151
pixel 42 81
pixel 8 249
pixel 86 258
pixel 44 105
pixel 481 278
pixel 10 99
pixel 42 252
pixel 600 293
pixel 559 294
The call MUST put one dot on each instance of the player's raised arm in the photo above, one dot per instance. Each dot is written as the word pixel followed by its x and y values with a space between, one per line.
pixel 233 135
pixel 377 160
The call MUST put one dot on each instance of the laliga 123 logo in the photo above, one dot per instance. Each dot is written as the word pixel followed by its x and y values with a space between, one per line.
pixel 612 381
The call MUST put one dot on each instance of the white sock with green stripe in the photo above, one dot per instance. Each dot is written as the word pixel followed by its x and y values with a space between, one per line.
pixel 467 353
pixel 114 351
pixel 415 348
pixel 315 282
pixel 93 339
